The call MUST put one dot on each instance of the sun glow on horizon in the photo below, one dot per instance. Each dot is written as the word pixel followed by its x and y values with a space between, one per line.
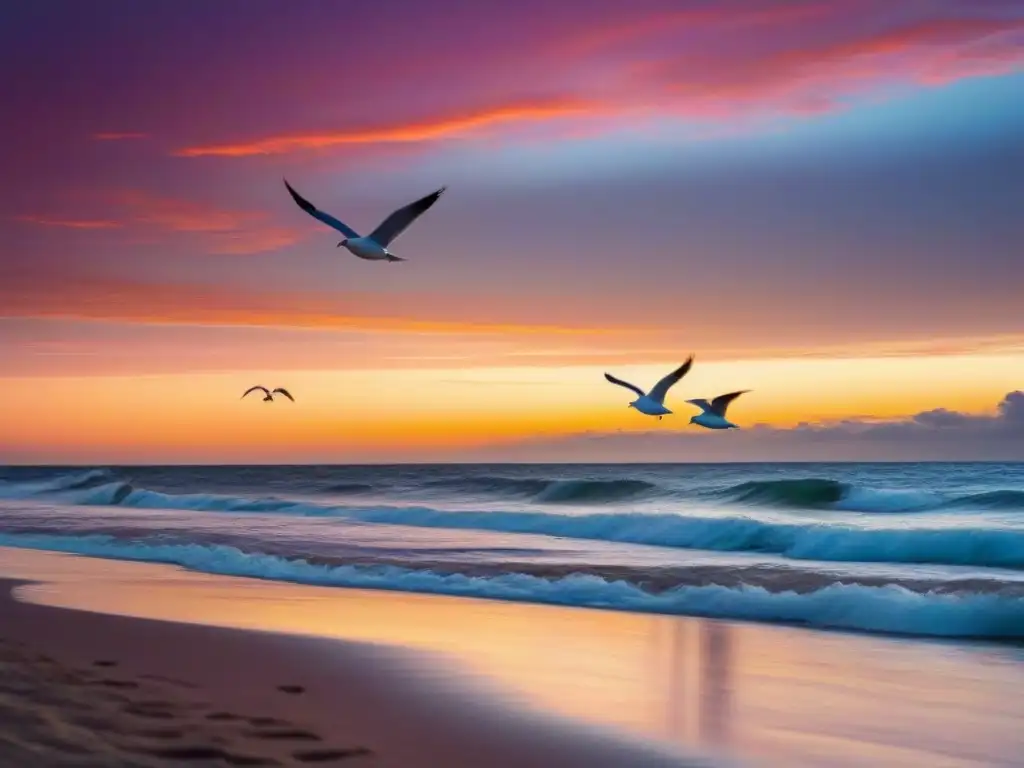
pixel 422 413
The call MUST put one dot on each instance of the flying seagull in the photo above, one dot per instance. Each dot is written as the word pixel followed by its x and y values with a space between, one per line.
pixel 373 247
pixel 713 413
pixel 653 402
pixel 270 395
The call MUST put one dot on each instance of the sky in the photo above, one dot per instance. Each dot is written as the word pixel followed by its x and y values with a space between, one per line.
pixel 821 201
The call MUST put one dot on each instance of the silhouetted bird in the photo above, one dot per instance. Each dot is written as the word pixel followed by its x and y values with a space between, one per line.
pixel 270 394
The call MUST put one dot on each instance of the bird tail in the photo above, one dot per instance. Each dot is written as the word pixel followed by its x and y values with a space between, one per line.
pixel 392 257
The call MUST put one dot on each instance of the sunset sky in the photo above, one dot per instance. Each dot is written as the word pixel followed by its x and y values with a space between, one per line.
pixel 821 200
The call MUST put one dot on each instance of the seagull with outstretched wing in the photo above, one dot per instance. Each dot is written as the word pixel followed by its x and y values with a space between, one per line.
pixel 268 395
pixel 712 414
pixel 373 247
pixel 653 403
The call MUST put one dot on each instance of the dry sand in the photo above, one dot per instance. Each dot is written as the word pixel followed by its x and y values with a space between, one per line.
pixel 56 714
pixel 108 711
pixel 88 689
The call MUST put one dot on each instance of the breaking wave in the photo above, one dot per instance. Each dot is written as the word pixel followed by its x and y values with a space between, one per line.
pixel 889 608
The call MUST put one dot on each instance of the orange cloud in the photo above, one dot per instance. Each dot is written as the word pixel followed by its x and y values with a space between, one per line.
pixel 118 136
pixel 70 223
pixel 424 130
pixel 100 299
pixel 577 337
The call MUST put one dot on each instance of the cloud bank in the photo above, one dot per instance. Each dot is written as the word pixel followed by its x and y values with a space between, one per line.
pixel 691 60
pixel 935 435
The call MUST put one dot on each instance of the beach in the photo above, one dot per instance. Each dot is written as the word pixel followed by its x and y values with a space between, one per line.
pixel 87 688
pixel 60 713
pixel 390 678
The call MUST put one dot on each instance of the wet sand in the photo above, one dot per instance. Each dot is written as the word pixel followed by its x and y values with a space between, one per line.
pixel 81 688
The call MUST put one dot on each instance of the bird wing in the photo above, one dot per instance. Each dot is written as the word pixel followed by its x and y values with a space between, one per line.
pixel 253 389
pixel 659 390
pixel 721 403
pixel 399 221
pixel 285 392
pixel 701 403
pixel 316 213
pixel 625 384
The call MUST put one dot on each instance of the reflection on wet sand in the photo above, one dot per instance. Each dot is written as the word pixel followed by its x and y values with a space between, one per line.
pixel 714 712
pixel 789 697
pixel 695 680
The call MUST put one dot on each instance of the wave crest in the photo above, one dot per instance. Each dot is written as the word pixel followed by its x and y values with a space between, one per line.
pixel 550 491
pixel 811 492
pixel 349 488
pixel 802 541
pixel 816 493
pixel 994 500
pixel 824 493
pixel 593 491
pixel 64 482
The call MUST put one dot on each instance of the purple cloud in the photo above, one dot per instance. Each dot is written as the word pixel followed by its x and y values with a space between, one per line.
pixel 936 435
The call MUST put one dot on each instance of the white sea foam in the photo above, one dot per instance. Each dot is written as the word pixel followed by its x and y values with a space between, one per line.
pixel 879 609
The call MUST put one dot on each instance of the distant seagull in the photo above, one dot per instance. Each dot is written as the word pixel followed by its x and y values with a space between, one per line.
pixel 713 416
pixel 270 395
pixel 373 247
pixel 653 403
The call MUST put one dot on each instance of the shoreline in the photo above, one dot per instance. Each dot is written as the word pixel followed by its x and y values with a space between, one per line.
pixel 978 641
pixel 872 607
pixel 163 690
pixel 469 671
pixel 774 547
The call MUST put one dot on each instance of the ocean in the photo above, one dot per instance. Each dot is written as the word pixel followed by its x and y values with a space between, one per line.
pixel 911 549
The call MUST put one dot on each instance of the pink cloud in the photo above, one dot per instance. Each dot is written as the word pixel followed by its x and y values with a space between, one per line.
pixel 694 60
pixel 183 215
pixel 639 30
pixel 815 78
pixel 215 230
pixel 222 231
pixel 49 221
